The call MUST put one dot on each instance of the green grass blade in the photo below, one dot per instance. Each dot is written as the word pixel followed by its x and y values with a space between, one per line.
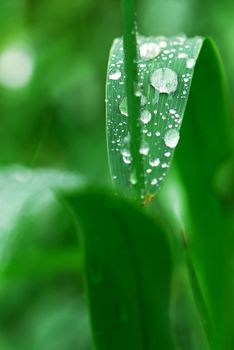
pixel 131 81
pixel 207 141
pixel 128 270
pixel 165 72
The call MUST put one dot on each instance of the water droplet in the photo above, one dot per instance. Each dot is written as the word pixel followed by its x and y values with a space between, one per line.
pixel 143 100
pixel 163 44
pixel 164 165
pixel 154 162
pixel 182 55
pixel 144 149
pixel 125 152
pixel 167 154
pixel 154 181
pixel 172 111
pixel 190 63
pixel 123 107
pixel 115 75
pixel 157 133
pixel 171 138
pixel 148 51
pixel 133 178
pixel 145 117
pixel 149 171
pixel 164 80
pixel 127 160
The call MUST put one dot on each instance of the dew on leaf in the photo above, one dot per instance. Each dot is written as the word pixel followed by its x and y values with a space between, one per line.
pixel 127 160
pixel 154 181
pixel 115 75
pixel 150 50
pixel 163 44
pixel 145 117
pixel 164 80
pixel 143 100
pixel 133 178
pixel 190 63
pixel 123 107
pixel 167 154
pixel 154 162
pixel 171 138
pixel 182 55
pixel 144 149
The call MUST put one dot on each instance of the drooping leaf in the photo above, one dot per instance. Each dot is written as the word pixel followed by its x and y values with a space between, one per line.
pixel 128 269
pixel 165 72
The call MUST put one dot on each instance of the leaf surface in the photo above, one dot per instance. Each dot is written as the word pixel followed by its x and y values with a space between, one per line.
pixel 128 270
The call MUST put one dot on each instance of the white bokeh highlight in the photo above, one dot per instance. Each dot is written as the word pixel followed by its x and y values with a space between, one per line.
pixel 16 67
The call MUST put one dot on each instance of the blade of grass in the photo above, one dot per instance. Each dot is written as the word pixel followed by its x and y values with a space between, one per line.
pixel 130 59
pixel 127 270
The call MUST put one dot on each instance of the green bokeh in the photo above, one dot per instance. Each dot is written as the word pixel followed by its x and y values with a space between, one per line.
pixel 58 120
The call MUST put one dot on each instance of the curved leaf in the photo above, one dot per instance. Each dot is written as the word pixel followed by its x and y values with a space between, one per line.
pixel 127 270
pixel 165 72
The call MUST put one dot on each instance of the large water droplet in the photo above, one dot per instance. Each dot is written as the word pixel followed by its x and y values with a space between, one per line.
pixel 148 51
pixel 172 138
pixel 123 107
pixel 145 117
pixel 165 80
pixel 115 75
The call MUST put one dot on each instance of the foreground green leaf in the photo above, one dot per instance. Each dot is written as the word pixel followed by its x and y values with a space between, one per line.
pixel 128 271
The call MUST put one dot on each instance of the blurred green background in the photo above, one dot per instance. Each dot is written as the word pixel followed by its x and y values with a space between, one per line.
pixel 53 58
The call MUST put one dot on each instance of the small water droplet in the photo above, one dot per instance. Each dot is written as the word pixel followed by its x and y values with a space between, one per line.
pixel 150 50
pixel 154 181
pixel 125 152
pixel 157 133
pixel 171 138
pixel 143 100
pixel 133 178
pixel 123 107
pixel 127 160
pixel 165 80
pixel 172 111
pixel 115 75
pixel 190 63
pixel 154 162
pixel 144 149
pixel 182 55
pixel 163 44
pixel 145 117
pixel 167 154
